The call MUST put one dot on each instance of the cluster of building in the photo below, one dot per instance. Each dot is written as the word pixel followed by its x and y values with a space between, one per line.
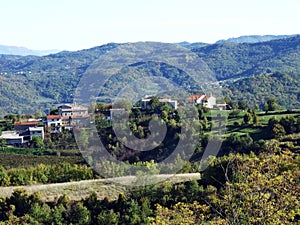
pixel 69 116
pixel 23 133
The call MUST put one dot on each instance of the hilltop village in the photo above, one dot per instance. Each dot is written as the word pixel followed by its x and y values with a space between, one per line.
pixel 72 116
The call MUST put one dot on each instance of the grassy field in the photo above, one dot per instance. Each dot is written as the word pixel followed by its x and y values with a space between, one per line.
pixel 259 131
pixel 12 160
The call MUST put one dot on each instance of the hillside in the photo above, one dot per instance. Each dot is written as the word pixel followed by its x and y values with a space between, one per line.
pixel 255 90
pixel 33 83
pixel 231 60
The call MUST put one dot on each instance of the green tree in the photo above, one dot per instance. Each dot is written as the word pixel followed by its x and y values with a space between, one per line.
pixel 271 105
pixel 238 143
pixel 108 217
pixel 133 212
pixel 140 132
pixel 37 142
pixel 56 215
pixel 77 214
pixel 262 190
pixel 242 105
pixel 2 141
pixel 38 114
pixel 247 118
pixel 289 124
pixel 39 214
pixel 277 131
pixel 181 213
pixel 255 118
pixel 154 104
pixel 4 178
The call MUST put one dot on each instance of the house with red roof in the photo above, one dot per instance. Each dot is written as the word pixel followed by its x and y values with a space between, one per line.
pixel 22 126
pixel 73 115
pixel 53 123
pixel 206 101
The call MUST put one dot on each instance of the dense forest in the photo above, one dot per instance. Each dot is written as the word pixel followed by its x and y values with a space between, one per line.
pixel 231 60
pixel 255 90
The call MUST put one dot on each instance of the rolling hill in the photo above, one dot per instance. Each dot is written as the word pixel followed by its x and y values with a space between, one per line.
pixel 35 83
pixel 256 89
pixel 231 60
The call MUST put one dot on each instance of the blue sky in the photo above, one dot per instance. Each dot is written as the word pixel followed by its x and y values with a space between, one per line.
pixel 78 24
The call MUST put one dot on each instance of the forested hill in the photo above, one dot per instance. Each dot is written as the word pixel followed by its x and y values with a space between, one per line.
pixel 32 83
pixel 255 90
pixel 230 60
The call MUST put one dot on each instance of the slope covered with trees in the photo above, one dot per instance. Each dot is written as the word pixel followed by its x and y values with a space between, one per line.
pixel 256 90
pixel 34 83
pixel 231 60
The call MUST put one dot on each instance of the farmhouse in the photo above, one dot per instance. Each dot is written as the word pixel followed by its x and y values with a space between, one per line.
pixel 67 110
pixel 206 101
pixel 23 126
pixel 22 134
pixel 73 115
pixel 53 123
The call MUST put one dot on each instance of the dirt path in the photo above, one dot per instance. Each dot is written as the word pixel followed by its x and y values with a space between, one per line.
pixel 110 187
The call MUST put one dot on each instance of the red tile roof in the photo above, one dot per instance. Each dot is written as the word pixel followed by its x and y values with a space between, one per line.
pixel 25 123
pixel 194 97
pixel 53 117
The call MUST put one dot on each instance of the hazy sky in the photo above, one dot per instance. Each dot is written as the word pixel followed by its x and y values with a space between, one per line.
pixel 78 24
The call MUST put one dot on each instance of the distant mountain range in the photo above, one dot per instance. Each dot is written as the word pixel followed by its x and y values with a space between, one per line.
pixel 13 50
pixel 255 38
pixel 35 83
pixel 23 51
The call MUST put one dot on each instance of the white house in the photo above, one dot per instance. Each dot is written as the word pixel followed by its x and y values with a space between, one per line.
pixel 72 115
pixel 13 138
pixel 53 122
pixel 67 110
pixel 206 101
pixel 36 131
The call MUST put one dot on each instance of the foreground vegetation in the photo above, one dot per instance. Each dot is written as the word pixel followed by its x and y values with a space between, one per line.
pixel 235 189
pixel 254 179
